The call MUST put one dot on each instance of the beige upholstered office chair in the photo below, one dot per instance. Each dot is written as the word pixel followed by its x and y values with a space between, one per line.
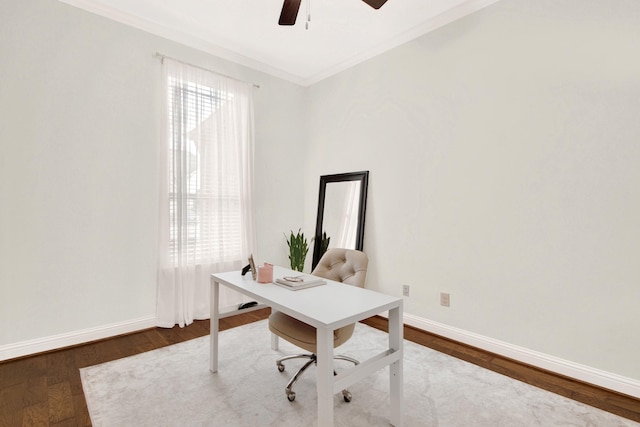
pixel 341 265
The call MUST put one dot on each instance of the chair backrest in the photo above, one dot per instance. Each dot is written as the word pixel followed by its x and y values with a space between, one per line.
pixel 343 265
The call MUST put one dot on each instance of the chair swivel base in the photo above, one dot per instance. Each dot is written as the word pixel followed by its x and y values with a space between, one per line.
pixel 291 395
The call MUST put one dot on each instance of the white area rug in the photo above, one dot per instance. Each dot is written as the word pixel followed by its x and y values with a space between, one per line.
pixel 173 386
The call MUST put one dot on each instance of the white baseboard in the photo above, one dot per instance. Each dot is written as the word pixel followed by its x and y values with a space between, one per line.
pixel 573 370
pixel 25 348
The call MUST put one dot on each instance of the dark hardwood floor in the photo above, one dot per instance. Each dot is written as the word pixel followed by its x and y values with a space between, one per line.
pixel 45 389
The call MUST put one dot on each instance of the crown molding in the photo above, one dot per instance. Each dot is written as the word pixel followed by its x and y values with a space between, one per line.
pixel 451 15
pixel 466 8
pixel 182 37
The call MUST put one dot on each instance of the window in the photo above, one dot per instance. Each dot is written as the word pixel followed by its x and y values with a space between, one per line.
pixel 206 214
pixel 204 177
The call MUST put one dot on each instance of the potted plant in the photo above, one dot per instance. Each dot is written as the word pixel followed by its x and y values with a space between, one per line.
pixel 298 248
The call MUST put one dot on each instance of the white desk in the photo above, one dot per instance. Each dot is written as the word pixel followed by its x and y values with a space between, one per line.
pixel 327 308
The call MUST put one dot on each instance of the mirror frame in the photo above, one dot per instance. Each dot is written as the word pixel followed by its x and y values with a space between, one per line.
pixel 363 177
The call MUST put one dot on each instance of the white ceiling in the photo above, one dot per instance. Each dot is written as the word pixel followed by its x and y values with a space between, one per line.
pixel 341 33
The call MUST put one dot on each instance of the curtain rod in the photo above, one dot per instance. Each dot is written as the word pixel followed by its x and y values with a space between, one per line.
pixel 162 56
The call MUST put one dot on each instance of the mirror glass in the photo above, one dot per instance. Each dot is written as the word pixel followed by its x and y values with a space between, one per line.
pixel 341 212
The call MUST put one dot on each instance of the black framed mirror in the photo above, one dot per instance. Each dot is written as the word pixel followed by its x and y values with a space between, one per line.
pixel 342 203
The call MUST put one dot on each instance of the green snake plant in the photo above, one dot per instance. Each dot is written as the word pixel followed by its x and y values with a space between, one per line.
pixel 298 249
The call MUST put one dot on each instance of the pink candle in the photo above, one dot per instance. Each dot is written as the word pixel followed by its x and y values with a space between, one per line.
pixel 265 273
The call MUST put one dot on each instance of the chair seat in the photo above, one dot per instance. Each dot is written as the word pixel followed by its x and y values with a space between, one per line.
pixel 347 266
pixel 302 334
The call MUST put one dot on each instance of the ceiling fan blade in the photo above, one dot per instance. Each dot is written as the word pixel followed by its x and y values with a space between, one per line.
pixel 376 4
pixel 289 12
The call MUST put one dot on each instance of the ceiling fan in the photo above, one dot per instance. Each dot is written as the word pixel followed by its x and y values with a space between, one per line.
pixel 290 10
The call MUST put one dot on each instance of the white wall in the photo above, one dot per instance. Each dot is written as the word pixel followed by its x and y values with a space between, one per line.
pixel 79 136
pixel 504 156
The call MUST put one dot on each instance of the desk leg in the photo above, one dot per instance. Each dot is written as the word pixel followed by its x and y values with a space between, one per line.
pixel 325 376
pixel 215 324
pixel 395 369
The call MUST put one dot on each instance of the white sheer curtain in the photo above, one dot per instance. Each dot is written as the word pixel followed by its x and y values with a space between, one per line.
pixel 206 214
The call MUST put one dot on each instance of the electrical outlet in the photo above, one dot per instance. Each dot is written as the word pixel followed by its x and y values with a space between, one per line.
pixel 445 299
pixel 405 290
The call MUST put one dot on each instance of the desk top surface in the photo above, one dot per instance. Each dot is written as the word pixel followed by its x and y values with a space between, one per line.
pixel 332 305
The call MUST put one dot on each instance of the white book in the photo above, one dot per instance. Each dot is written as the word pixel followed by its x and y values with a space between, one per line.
pixel 302 281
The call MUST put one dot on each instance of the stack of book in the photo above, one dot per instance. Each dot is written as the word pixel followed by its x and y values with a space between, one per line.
pixel 302 281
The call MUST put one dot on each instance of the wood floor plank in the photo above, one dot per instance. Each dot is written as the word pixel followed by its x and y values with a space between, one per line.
pixel 141 343
pixel 36 391
pixel 82 417
pixel 36 415
pixel 11 404
pixel 60 402
pixel 21 369
pixel 157 339
pixel 87 355
pixel 60 366
pixel 106 350
pixel 69 422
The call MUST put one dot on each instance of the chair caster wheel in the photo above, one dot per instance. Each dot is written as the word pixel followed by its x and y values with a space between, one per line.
pixel 281 367
pixel 346 395
pixel 291 396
